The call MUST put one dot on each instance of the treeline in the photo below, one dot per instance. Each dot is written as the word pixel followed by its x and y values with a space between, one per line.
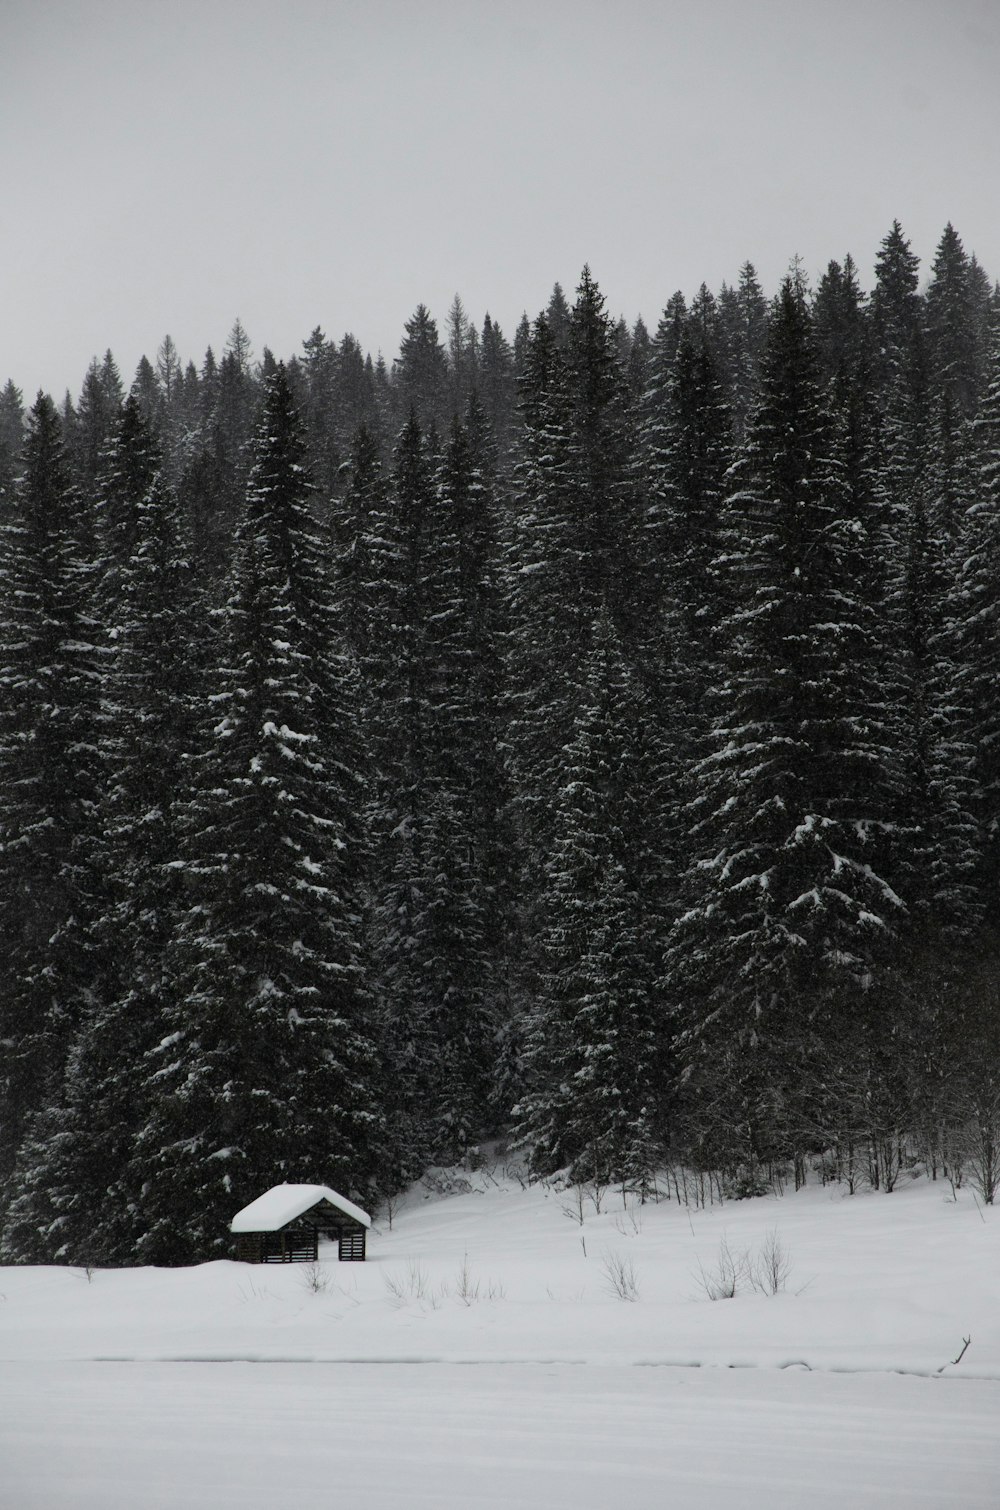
pixel 593 738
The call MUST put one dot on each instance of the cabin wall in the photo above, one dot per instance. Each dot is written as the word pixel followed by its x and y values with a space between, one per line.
pixel 300 1244
pixel 352 1245
pixel 292 1245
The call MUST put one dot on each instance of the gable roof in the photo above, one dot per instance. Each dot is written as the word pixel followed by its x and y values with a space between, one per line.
pixel 283 1203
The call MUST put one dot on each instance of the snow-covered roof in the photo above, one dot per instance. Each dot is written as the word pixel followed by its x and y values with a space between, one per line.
pixel 283 1203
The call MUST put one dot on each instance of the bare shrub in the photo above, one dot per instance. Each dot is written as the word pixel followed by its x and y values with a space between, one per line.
pixel 621 1276
pixel 727 1276
pixel 597 1189
pixel 315 1278
pixel 736 1269
pixel 580 1192
pixel 413 1285
pixel 466 1286
pixel 573 1206
pixel 983 1146
pixel 629 1221
pixel 771 1265
pixel 250 1292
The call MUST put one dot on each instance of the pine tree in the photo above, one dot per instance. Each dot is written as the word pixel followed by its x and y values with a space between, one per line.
pixel 266 1069
pixel 685 457
pixel 468 863
pixel 925 475
pixel 424 611
pixel 11 440
pixel 743 317
pixel 364 516
pixel 896 308
pixel 382 587
pixel 420 375
pixel 131 459
pixel 978 628
pixel 47 783
pixel 544 568
pixel 497 388
pixel 146 392
pixel 319 410
pixel 78 1193
pixel 571 551
pixel 687 445
pixel 775 961
pixel 213 475
pixel 602 427
pixel 557 316
pixel 839 319
pixel 594 1048
pixel 952 326
pixel 357 402
pixel 96 416
pixel 463 356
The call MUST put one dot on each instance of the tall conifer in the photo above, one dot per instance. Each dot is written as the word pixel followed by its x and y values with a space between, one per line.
pixel 48 782
pixel 776 957
pixel 266 1069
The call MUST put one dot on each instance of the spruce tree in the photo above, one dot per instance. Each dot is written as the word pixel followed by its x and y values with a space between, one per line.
pixel 319 410
pixel 687 445
pixel 11 440
pixel 78 1192
pixel 594 1048
pixel 48 783
pixel 571 553
pixel 131 459
pixel 951 310
pixel 266 1068
pixel 467 861
pixel 497 388
pixel 549 621
pixel 573 542
pixel 425 615
pixel 743 317
pixel 775 961
pixel 95 419
pixel 420 374
pixel 978 629
pixel 896 308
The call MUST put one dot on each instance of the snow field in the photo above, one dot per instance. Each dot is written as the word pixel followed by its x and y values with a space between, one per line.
pixel 522 1437
pixel 537 1385
pixel 504 1274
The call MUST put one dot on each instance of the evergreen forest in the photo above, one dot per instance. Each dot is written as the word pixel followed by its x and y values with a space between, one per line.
pixel 588 739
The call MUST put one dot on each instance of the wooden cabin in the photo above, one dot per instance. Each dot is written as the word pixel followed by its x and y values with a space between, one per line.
pixel 285 1224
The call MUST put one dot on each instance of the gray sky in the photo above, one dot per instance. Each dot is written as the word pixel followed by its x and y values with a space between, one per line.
pixel 166 166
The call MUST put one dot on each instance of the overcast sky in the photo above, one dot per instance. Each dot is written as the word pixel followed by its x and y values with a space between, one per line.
pixel 166 166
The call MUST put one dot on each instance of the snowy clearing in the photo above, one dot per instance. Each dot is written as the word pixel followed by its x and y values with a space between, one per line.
pixel 447 1437
pixel 539 1385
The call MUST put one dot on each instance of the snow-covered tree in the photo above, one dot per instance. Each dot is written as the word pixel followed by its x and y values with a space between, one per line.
pixel 776 957
pixel 594 1044
pixel 48 781
pixel 266 1069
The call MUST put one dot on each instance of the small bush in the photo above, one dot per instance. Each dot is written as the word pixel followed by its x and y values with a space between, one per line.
pixel 770 1269
pixel 744 1182
pixel 765 1271
pixel 413 1285
pixel 466 1287
pixel 728 1275
pixel 621 1277
pixel 315 1278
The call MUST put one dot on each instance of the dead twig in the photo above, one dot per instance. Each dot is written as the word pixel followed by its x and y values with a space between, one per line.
pixel 965 1344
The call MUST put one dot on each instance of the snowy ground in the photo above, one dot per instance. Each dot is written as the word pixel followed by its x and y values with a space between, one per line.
pixel 481 1357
